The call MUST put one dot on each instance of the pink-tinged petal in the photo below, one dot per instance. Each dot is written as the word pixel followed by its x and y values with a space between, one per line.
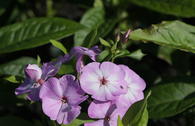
pixel 95 123
pixel 51 107
pixel 67 114
pixel 111 71
pixel 89 79
pixel 52 89
pixel 98 110
pixel 72 90
pixel 33 72
pixel 134 80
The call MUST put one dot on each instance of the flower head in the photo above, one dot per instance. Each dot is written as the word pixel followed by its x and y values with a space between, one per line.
pixel 35 78
pixel 104 81
pixel 61 99
pixel 106 112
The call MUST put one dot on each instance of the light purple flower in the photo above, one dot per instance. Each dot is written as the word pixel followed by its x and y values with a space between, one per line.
pixel 61 99
pixel 135 87
pixel 80 52
pixel 35 77
pixel 104 81
pixel 106 112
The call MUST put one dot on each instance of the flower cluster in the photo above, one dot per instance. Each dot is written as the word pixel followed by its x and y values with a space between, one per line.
pixel 113 88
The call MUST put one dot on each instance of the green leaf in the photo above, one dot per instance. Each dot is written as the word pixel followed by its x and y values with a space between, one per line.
pixel 14 121
pixel 137 115
pixel 103 55
pixel 144 119
pixel 77 122
pixel 183 8
pixel 16 67
pixel 58 45
pixel 93 18
pixel 175 34
pixel 35 32
pixel 38 60
pixel 119 122
pixel 104 42
pixel 169 99
pixel 12 79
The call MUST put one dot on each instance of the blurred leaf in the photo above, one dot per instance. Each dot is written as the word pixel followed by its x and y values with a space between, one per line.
pixel 58 45
pixel 98 3
pixel 93 18
pixel 137 115
pixel 135 55
pixel 66 69
pixel 12 79
pixel 14 121
pixel 119 122
pixel 103 55
pixel 183 8
pixel 3 5
pixel 170 99
pixel 144 119
pixel 16 67
pixel 165 53
pixel 38 60
pixel 175 34
pixel 90 38
pixel 104 42
pixel 35 32
pixel 138 55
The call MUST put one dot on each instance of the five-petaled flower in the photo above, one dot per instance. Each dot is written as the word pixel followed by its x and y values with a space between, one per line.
pixel 104 81
pixel 61 98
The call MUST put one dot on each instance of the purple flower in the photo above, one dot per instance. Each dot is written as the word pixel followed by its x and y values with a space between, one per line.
pixel 104 81
pixel 35 77
pixel 106 112
pixel 135 87
pixel 79 53
pixel 61 99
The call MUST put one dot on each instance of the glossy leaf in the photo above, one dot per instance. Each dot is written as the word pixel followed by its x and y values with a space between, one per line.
pixel 93 18
pixel 170 99
pixel 35 32
pixel 16 67
pixel 183 8
pixel 137 115
pixel 175 34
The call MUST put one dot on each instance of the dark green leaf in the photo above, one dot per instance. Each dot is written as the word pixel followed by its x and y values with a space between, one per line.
pixel 16 67
pixel 77 122
pixel 183 8
pixel 170 99
pixel 35 32
pixel 103 55
pixel 134 116
pixel 175 34
pixel 93 18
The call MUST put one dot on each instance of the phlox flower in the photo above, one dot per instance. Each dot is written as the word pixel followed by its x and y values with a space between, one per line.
pixel 104 81
pixel 61 98
pixel 35 77
pixel 106 112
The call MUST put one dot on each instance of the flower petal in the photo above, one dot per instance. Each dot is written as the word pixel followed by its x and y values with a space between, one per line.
pixel 33 72
pixel 25 87
pixel 67 114
pixel 98 110
pixel 52 89
pixel 51 107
